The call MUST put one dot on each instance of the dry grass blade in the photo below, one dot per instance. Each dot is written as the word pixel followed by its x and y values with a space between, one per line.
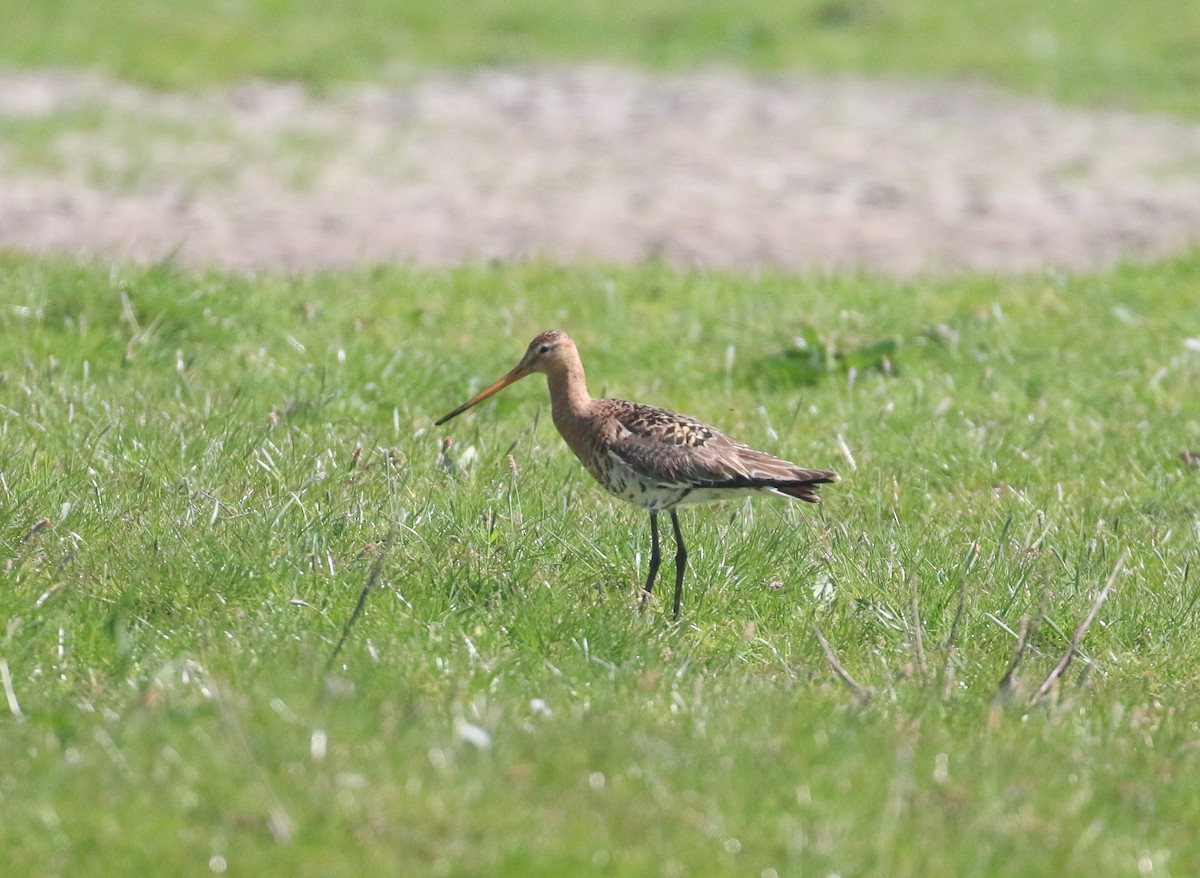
pixel 372 578
pixel 918 639
pixel 1026 635
pixel 952 640
pixel 1080 631
pixel 10 693
pixel 861 692
pixel 1025 632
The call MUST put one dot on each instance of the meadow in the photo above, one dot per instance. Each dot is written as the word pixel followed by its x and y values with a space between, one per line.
pixel 201 472
pixel 977 657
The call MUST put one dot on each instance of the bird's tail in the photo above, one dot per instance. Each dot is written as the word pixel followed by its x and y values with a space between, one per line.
pixel 757 470
pixel 803 485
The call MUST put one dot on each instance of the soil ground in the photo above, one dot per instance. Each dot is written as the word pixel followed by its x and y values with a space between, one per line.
pixel 714 169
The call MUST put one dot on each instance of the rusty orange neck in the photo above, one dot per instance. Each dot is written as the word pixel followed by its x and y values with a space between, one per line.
pixel 568 390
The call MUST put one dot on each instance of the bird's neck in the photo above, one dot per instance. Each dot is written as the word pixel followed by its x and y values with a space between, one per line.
pixel 569 397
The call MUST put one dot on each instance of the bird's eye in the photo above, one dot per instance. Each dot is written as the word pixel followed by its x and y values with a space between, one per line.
pixel 544 349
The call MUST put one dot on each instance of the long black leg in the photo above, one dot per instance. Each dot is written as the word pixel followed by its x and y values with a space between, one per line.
pixel 680 562
pixel 655 555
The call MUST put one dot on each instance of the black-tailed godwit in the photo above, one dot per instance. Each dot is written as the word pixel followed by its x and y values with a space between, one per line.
pixel 651 457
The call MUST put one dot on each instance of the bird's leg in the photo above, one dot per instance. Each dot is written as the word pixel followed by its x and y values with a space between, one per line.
pixel 680 562
pixel 655 555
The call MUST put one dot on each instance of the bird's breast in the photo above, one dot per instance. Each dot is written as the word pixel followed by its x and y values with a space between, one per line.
pixel 623 482
pixel 593 439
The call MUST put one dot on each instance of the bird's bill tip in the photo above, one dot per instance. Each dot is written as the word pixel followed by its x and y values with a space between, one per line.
pixel 515 375
pixel 454 414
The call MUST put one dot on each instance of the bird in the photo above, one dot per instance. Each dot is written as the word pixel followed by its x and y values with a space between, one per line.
pixel 650 456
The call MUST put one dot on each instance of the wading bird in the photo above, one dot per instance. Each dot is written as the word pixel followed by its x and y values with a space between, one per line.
pixel 649 456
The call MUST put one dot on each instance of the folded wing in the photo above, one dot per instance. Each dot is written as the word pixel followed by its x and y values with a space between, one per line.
pixel 679 451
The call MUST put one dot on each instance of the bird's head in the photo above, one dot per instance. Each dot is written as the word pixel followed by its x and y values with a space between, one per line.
pixel 551 352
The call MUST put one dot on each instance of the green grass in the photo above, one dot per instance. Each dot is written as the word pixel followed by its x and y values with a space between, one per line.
pixel 186 522
pixel 1145 55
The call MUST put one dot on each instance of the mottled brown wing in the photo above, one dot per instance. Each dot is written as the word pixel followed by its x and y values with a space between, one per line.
pixel 678 450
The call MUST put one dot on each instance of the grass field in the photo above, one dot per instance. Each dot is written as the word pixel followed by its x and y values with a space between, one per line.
pixel 199 472
pixel 1145 55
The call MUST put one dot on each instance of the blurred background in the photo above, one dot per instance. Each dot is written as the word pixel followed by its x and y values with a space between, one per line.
pixel 903 136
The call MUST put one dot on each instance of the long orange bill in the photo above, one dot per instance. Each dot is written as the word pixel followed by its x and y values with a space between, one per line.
pixel 515 375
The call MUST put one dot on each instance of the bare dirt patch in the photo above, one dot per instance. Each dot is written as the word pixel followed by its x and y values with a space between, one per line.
pixel 711 170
